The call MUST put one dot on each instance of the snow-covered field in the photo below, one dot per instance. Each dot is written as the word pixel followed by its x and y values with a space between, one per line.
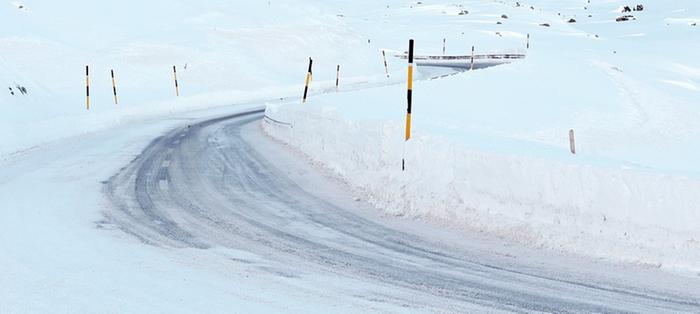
pixel 489 151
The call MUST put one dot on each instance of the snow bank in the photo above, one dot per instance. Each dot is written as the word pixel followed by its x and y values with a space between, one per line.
pixel 490 147
pixel 619 213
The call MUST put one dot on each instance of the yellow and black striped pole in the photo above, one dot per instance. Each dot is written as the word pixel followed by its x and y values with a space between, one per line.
pixel 410 90
pixel 87 87
pixel 337 77
pixel 311 75
pixel 472 66
pixel 308 80
pixel 177 87
pixel 409 97
pixel 114 87
pixel 386 65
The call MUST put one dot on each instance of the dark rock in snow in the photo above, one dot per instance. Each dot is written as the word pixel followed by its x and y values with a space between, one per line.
pixel 624 18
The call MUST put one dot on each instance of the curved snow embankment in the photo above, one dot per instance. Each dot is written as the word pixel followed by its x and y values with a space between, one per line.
pixel 613 212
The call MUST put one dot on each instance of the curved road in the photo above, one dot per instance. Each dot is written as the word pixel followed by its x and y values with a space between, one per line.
pixel 213 184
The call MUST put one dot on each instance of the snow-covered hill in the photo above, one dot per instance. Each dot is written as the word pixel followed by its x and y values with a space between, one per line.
pixel 225 51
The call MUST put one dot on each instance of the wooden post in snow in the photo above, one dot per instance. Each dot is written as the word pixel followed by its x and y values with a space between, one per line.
pixel 572 142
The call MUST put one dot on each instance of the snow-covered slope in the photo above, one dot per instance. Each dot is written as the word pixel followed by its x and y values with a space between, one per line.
pixel 225 52
pixel 490 147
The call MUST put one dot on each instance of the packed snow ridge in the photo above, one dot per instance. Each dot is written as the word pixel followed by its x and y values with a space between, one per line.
pixel 490 148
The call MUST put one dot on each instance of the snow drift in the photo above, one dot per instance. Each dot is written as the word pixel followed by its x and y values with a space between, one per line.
pixel 490 147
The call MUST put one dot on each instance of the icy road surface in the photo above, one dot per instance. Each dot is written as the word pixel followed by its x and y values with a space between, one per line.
pixel 222 183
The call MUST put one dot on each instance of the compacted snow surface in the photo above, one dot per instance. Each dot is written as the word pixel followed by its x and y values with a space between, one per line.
pixel 237 197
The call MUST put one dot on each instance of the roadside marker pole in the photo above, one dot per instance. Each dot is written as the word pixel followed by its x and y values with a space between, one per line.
pixel 528 41
pixel 87 87
pixel 177 87
pixel 443 45
pixel 308 80
pixel 114 88
pixel 337 77
pixel 572 142
pixel 386 65
pixel 409 98
pixel 472 66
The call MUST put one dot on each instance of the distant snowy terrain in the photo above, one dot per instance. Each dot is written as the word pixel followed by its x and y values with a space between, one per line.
pixel 489 155
pixel 225 52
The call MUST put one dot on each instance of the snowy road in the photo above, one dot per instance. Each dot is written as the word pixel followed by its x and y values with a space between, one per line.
pixel 222 183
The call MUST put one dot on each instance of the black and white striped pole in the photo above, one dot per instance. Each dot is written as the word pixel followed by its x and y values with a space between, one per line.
pixel 386 65
pixel 114 87
pixel 308 80
pixel 409 99
pixel 528 41
pixel 177 86
pixel 337 77
pixel 87 87
pixel 472 63
pixel 444 40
